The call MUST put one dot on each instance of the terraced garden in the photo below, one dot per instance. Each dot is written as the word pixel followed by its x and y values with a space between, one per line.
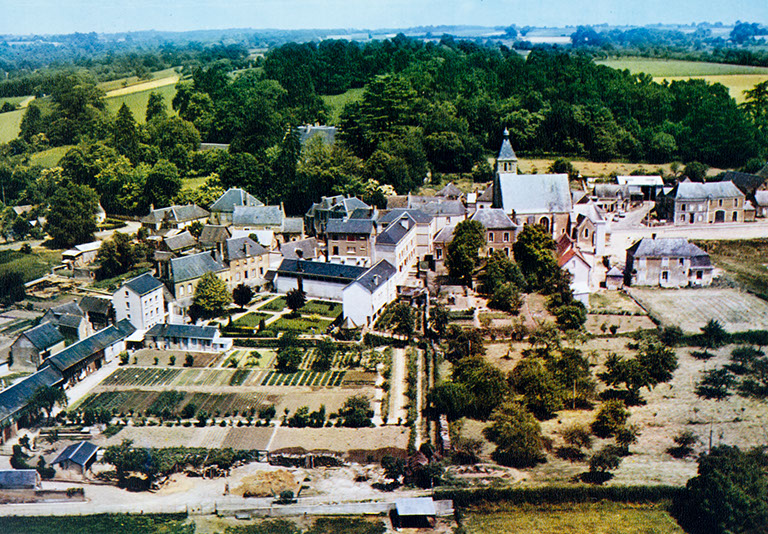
pixel 304 378
pixel 142 401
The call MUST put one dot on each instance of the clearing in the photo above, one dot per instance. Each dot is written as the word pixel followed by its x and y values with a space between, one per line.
pixel 136 98
pixel 597 518
pixel 744 260
pixel 336 103
pixel 691 309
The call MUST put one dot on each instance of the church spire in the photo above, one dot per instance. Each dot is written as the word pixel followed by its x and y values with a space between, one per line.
pixel 507 160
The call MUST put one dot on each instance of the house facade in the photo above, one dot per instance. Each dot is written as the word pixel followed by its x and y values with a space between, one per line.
pixel 500 231
pixel 397 245
pixel 140 301
pixel 702 203
pixel 224 207
pixel 350 241
pixel 173 218
pixel 33 346
pixel 248 261
pixel 426 228
pixel 186 337
pixel 323 280
pixel 365 297
pixel 181 275
pixel 667 262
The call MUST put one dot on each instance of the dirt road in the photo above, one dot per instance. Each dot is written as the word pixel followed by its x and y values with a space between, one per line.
pixel 397 398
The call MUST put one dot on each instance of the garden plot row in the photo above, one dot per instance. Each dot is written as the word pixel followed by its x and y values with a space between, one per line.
pixel 140 376
pixel 304 378
pixel 120 401
pixel 340 360
pixel 205 377
pixel 227 403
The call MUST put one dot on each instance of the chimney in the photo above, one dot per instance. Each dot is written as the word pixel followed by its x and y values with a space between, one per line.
pixel 376 279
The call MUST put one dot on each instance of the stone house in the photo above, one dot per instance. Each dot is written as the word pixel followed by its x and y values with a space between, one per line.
pixel 500 231
pixel 351 241
pixel 667 262
pixel 33 346
pixel 224 207
pixel 173 218
pixel 702 203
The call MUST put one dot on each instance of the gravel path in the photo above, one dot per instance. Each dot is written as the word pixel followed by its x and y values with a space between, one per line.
pixel 397 388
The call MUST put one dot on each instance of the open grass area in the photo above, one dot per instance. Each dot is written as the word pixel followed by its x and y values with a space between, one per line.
pixel 301 324
pixel 49 158
pixel 596 518
pixel 130 81
pixel 137 102
pixel 14 100
pixel 251 320
pixel 322 307
pixel 94 524
pixel 10 125
pixel 190 184
pixel 336 103
pixel 737 78
pixel 690 309
pixel 275 305
pixel 743 260
pixel 31 266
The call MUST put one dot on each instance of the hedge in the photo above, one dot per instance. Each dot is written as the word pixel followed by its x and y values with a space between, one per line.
pixel 560 494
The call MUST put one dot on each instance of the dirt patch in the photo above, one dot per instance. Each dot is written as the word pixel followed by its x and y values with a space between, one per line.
pixel 211 437
pixel 613 301
pixel 146 357
pixel 266 484
pixel 340 439
pixel 248 438
pixel 625 323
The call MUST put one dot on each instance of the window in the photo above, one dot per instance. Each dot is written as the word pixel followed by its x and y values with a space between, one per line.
pixel 181 290
pixel 350 238
pixel 335 251
pixel 439 253
pixel 682 208
pixel 586 233
pixel 720 203
pixel 350 250
pixel 506 237
pixel 506 252
pixel 490 237
pixel 698 275
pixel 664 276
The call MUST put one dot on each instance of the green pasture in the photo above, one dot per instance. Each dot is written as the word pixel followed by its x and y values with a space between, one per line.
pixel 137 102
pixel 675 67
pixel 336 103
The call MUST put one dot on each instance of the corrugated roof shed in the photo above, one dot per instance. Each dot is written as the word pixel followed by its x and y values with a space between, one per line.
pixel 16 397
pixel 234 197
pixel 415 506
pixel 43 336
pixel 82 350
pixel 193 266
pixel 651 180
pixel 143 284
pixel 535 193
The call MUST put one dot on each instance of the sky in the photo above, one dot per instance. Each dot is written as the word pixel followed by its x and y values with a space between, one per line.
pixel 108 16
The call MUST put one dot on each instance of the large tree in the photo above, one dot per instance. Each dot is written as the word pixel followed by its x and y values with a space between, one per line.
pixel 517 435
pixel 162 184
pixel 534 252
pixel 463 250
pixel 47 397
pixel 211 295
pixel 72 215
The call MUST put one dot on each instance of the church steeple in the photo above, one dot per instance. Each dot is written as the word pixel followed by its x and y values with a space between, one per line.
pixel 507 160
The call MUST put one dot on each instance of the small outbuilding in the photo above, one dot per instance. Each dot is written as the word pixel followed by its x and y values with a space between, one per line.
pixel 614 278
pixel 78 457
pixel 417 512
pixel 19 479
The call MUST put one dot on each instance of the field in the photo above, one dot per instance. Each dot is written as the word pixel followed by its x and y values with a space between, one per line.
pixel 137 101
pixel 596 518
pixel 745 261
pixel 15 100
pixel 737 78
pixel 599 170
pixel 336 103
pixel 10 125
pixel 301 324
pixel 31 266
pixel 49 158
pixel 131 81
pixel 690 309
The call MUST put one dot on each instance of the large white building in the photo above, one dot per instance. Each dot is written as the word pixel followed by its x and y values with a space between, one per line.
pixel 397 244
pixel 141 301
pixel 364 298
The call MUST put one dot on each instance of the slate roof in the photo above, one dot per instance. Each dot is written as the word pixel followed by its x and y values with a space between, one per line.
pixel 416 214
pixel 534 193
pixel 190 212
pixel 590 211
pixel 82 350
pixel 445 208
pixel 704 191
pixel 376 276
pixel 181 241
pixel 43 336
pixel 763 172
pixel 450 191
pixel 363 213
pixel 666 247
pixel 493 218
pixel 213 234
pixel 193 266
pixel 293 225
pixel 308 248
pixel 320 270
pixel 19 478
pixel 396 231
pixel 611 190
pixel 95 304
pixel 761 197
pixel 257 216
pixel 308 131
pixel 337 203
pixel 78 453
pixel 243 247
pixel 234 197
pixel 747 183
pixel 397 201
pixel 350 226
pixel 615 272
pixel 445 235
pixel 71 308
pixel 71 321
pixel 506 152
pixel 182 331
pixel 15 398
pixel 143 284
pixel 487 195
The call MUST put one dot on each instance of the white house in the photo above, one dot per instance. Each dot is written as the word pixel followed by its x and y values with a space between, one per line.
pixel 590 229
pixel 141 301
pixel 364 298
pixel 397 245
pixel 426 228
pixel 581 271
pixel 317 279
pixel 187 337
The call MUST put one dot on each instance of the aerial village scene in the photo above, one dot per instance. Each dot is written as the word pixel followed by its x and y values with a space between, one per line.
pixel 461 278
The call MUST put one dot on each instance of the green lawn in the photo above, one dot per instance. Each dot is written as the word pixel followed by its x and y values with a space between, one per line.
pixel 95 524
pixel 301 324
pixel 31 266
pixel 120 83
pixel 190 184
pixel 674 67
pixel 251 320
pixel 10 125
pixel 336 103
pixel 137 102
pixel 276 305
pixel 322 307
pixel 49 158
pixel 743 260
pixel 595 518
pixel 15 100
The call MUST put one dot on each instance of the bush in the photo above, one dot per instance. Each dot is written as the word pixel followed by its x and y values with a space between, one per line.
pixel 610 419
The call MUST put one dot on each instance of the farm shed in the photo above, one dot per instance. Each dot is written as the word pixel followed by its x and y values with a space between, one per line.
pixel 14 400
pixel 35 345
pixel 98 310
pixel 78 457
pixel 88 355
pixel 19 479
pixel 318 279
pixel 418 512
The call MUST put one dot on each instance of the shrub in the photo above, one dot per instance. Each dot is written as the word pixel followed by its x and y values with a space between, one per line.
pixel 611 418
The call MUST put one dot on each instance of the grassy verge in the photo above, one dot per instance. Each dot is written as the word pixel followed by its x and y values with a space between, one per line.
pixel 276 305
pixel 95 524
pixel 744 260
pixel 597 518
pixel 31 266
